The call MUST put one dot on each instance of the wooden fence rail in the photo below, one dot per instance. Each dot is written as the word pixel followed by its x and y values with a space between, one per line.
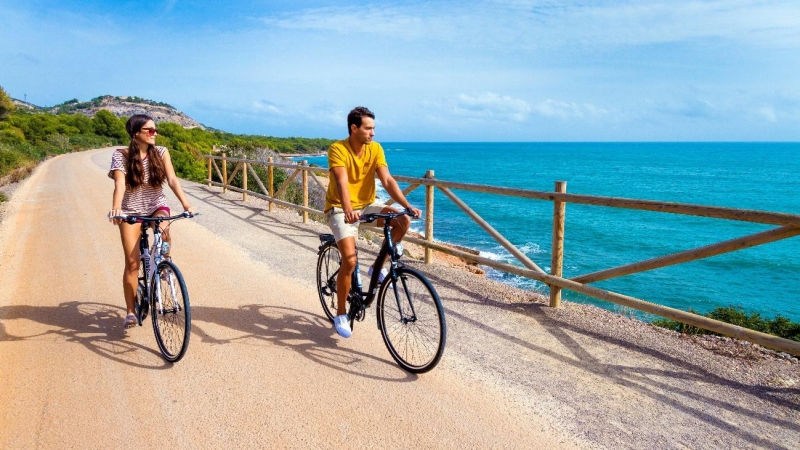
pixel 788 226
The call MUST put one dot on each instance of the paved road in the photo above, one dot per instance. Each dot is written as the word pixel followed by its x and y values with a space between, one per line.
pixel 263 368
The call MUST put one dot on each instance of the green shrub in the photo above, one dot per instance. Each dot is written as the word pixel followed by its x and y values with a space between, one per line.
pixel 59 141
pixel 9 159
pixel 28 137
pixel 779 326
pixel 11 136
pixel 87 141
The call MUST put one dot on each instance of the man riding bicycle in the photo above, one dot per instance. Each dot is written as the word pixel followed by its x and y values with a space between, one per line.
pixel 353 163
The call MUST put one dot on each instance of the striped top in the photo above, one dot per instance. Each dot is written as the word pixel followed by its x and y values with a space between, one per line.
pixel 145 199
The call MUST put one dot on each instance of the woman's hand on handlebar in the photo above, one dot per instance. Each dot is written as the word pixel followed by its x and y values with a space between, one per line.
pixel 114 213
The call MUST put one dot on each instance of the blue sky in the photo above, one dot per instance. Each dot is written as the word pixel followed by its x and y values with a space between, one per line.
pixel 494 70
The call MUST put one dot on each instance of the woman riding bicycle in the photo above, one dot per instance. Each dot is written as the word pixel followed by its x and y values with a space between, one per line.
pixel 354 162
pixel 139 173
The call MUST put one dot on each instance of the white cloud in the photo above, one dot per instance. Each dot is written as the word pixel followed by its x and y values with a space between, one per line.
pixel 488 105
pixel 360 20
pixel 267 107
pixel 767 113
pixel 567 110
pixel 533 24
pixel 325 114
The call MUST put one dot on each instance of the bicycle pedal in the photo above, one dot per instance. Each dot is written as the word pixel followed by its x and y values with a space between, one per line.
pixel 361 314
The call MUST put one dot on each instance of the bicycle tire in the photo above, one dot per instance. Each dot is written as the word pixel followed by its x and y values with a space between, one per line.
pixel 140 303
pixel 328 263
pixel 172 318
pixel 416 340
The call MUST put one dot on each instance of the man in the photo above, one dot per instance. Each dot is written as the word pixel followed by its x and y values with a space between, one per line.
pixel 353 164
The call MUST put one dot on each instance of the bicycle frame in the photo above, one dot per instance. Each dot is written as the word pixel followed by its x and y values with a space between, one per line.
pixel 145 251
pixel 365 298
pixel 151 256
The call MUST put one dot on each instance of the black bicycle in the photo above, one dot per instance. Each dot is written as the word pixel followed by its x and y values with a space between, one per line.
pixel 161 289
pixel 409 312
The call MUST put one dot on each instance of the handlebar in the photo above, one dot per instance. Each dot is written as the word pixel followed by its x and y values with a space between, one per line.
pixel 132 219
pixel 391 215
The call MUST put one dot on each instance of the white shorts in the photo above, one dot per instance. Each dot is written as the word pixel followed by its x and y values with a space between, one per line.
pixel 342 229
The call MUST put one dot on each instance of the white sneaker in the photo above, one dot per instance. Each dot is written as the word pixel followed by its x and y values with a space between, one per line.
pixel 342 326
pixel 381 276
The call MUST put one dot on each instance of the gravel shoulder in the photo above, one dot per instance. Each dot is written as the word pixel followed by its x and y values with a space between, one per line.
pixel 587 377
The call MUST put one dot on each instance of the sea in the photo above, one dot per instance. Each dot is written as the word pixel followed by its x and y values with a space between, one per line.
pixel 744 175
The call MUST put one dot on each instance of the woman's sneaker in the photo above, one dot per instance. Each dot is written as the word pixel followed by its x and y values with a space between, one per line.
pixel 342 325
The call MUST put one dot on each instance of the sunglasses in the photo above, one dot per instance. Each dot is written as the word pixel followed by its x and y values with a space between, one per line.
pixel 150 131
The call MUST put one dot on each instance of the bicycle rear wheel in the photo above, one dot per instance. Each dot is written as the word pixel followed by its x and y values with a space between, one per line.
pixel 172 318
pixel 411 319
pixel 328 264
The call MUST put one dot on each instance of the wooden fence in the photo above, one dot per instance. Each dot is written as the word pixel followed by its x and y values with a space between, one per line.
pixel 787 225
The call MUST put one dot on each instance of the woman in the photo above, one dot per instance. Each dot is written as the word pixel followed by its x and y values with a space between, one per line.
pixel 139 173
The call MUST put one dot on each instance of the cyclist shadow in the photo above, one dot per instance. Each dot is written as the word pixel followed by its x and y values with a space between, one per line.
pixel 306 334
pixel 96 326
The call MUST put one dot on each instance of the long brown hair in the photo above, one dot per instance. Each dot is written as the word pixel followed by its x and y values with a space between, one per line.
pixel 135 175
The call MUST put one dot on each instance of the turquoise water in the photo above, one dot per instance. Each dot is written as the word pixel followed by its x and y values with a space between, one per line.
pixel 761 176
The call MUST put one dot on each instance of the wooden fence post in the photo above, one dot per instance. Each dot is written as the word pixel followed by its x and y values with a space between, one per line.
pixel 557 261
pixel 429 194
pixel 209 171
pixel 224 173
pixel 305 190
pixel 244 181
pixel 271 185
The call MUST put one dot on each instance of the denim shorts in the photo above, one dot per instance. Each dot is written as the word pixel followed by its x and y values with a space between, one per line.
pixel 342 229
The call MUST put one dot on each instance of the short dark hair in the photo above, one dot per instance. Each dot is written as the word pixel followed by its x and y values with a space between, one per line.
pixel 356 115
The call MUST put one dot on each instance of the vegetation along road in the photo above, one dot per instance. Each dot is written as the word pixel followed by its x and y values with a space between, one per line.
pixel 265 369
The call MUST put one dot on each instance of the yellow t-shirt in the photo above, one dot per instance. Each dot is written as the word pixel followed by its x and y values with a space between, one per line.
pixel 360 173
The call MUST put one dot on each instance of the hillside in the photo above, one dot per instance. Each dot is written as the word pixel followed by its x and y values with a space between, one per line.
pixel 126 107
pixel 24 105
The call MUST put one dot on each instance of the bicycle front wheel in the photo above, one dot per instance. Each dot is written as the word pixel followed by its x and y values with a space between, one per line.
pixel 411 319
pixel 172 318
pixel 328 264
pixel 140 302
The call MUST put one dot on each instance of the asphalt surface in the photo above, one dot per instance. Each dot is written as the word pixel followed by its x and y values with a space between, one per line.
pixel 263 368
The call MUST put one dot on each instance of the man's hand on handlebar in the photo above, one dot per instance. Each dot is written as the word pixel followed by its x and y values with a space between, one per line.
pixel 415 213
pixel 352 216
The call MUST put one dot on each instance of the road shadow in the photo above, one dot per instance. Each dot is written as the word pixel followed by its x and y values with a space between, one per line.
pixel 95 326
pixel 310 336
pixel 252 216
pixel 646 380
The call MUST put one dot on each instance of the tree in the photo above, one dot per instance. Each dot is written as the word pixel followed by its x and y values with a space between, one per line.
pixel 6 105
pixel 107 124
